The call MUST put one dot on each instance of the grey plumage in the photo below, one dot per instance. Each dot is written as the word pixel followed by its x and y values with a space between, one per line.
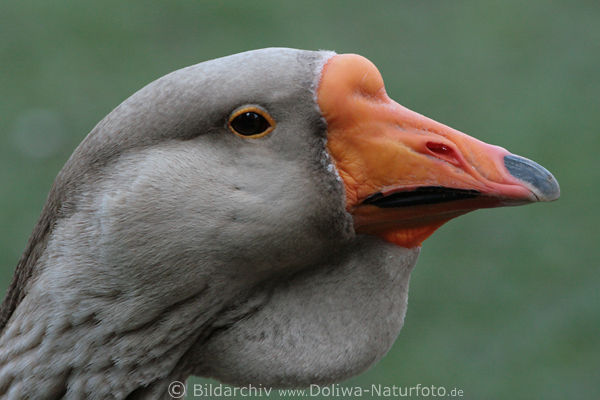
pixel 169 246
pixel 143 264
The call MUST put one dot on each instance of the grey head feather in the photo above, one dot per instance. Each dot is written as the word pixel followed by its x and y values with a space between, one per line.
pixel 187 103
pixel 170 246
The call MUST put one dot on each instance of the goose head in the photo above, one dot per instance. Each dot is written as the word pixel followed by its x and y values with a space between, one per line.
pixel 253 218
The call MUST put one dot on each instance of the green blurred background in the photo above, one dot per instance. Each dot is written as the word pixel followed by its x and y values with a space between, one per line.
pixel 504 303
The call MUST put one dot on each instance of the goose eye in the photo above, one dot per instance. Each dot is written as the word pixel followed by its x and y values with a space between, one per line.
pixel 251 122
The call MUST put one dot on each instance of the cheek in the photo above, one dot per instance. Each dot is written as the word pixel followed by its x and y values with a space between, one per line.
pixel 253 217
pixel 152 217
pixel 277 214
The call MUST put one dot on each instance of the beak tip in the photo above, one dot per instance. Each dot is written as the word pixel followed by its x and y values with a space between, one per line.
pixel 536 178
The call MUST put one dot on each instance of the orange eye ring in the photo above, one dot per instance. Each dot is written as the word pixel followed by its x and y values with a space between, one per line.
pixel 251 122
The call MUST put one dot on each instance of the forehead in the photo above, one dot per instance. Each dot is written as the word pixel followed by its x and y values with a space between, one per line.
pixel 261 75
pixel 187 101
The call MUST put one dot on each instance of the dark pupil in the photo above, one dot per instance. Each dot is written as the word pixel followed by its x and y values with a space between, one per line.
pixel 250 123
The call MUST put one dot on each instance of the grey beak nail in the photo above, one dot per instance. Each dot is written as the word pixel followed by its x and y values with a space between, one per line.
pixel 541 182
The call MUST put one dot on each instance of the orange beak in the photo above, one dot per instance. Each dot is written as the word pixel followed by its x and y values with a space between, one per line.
pixel 405 175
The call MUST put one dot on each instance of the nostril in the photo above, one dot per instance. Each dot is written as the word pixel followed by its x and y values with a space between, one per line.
pixel 443 152
pixel 439 148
